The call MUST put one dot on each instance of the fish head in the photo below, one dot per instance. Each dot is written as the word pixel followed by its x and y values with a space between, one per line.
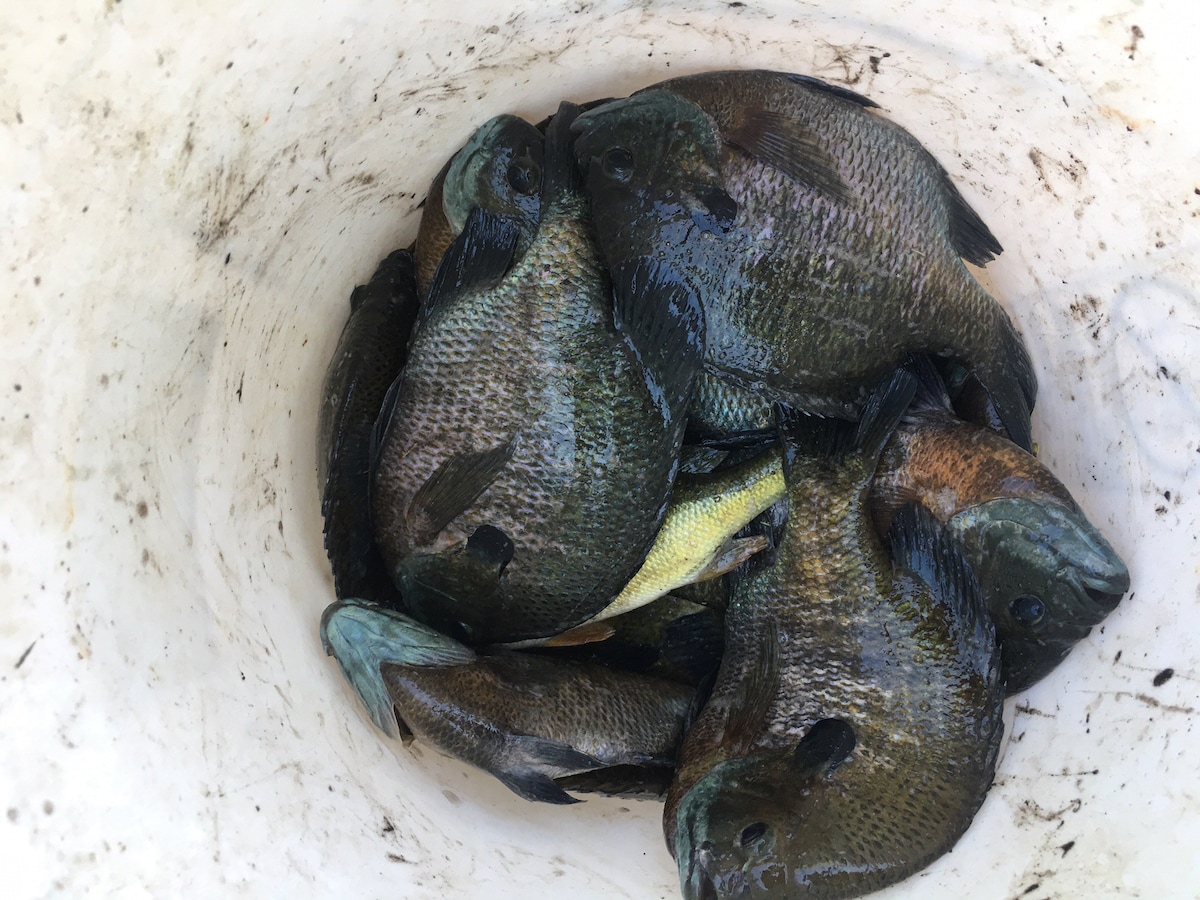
pixel 652 166
pixel 460 590
pixel 758 825
pixel 1047 576
pixel 498 169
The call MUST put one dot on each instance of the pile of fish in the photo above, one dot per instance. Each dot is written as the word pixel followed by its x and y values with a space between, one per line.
pixel 683 457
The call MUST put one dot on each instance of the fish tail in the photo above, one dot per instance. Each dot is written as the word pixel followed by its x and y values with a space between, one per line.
pixel 363 636
pixel 1000 368
pixel 823 438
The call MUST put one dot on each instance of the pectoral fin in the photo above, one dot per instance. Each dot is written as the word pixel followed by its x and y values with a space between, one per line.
pixel 786 144
pixel 476 260
pixel 453 487
pixel 825 747
pixel 735 552
pixel 664 319
pixel 750 703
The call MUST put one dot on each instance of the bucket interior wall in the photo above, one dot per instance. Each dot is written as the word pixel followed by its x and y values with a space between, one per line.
pixel 188 198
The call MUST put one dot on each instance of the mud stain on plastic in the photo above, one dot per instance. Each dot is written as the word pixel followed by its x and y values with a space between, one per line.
pixel 25 656
pixel 229 191
pixel 1135 35
pixel 1051 170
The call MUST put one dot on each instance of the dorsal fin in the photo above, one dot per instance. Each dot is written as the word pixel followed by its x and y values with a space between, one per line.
pixel 559 171
pixel 833 90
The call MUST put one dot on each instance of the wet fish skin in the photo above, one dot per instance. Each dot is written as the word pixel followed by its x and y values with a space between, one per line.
pixel 1047 574
pixel 671 638
pixel 369 356
pixel 823 241
pixel 498 169
pixel 854 725
pixel 524 410
pixel 525 719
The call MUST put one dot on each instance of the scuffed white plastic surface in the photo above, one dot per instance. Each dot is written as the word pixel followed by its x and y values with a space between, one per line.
pixel 187 197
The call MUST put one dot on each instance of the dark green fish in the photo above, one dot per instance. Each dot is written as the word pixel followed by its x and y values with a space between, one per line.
pixel 854 725
pixel 369 356
pixel 1047 575
pixel 527 451
pixel 525 719
pixel 499 169
pixel 822 240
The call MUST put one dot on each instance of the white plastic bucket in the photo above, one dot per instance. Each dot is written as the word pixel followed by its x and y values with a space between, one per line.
pixel 188 197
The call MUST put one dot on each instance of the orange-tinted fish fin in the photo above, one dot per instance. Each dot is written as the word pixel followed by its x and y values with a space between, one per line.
pixel 735 552
pixel 780 141
pixel 587 633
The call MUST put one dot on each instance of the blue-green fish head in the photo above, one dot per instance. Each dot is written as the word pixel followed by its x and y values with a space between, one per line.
pixel 652 165
pixel 729 825
pixel 764 825
pixel 1048 576
pixel 498 169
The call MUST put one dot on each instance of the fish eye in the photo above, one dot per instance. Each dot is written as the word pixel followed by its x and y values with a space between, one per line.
pixel 524 176
pixel 752 833
pixel 1028 609
pixel 617 164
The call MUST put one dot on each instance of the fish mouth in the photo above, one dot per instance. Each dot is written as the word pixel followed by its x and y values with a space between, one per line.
pixel 701 882
pixel 1106 591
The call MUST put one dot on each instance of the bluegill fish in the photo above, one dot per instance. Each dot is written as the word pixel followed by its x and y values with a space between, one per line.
pixel 822 241
pixel 525 719
pixel 1047 574
pixel 499 169
pixel 854 725
pixel 369 356
pixel 527 452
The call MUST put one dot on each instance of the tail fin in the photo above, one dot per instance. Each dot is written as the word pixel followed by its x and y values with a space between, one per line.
pixel 1006 375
